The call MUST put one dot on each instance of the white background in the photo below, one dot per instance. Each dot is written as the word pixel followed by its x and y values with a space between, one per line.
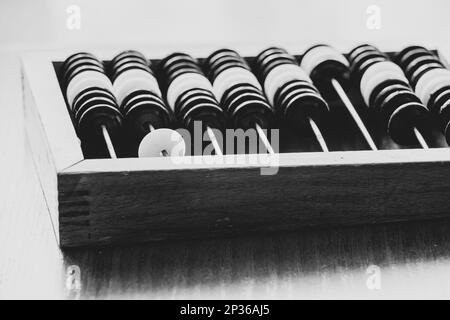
pixel 42 23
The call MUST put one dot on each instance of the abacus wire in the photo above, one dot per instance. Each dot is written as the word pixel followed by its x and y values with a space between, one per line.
pixel 214 141
pixel 318 134
pixel 109 145
pixel 351 109
pixel 420 139
pixel 264 139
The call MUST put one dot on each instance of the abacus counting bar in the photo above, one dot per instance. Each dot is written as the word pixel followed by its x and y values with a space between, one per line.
pixel 290 89
pixel 190 95
pixel 430 80
pixel 386 91
pixel 239 91
pixel 147 117
pixel 326 66
pixel 89 95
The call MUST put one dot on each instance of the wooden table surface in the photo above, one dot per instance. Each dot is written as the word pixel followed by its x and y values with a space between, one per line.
pixel 414 258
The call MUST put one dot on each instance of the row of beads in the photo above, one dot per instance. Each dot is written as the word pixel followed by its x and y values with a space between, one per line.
pixel 385 89
pixel 431 82
pixel 238 89
pixel 234 89
pixel 89 95
pixel 189 93
pixel 289 88
pixel 138 94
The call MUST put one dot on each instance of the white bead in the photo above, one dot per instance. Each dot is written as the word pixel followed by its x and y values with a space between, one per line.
pixel 430 82
pixel 320 54
pixel 378 73
pixel 183 83
pixel 160 140
pixel 133 80
pixel 84 80
pixel 281 75
pixel 232 76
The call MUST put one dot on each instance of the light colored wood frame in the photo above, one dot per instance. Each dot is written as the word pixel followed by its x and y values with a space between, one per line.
pixel 107 201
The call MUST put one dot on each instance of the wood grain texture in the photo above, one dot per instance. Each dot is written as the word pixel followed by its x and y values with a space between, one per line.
pixel 120 207
pixel 318 263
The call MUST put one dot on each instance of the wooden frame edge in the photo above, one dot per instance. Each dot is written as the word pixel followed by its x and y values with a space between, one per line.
pixel 56 123
pixel 261 161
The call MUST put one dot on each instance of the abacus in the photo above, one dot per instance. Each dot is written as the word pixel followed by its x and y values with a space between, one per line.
pixel 130 146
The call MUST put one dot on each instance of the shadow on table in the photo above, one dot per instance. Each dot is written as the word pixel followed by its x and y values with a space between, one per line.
pixel 152 267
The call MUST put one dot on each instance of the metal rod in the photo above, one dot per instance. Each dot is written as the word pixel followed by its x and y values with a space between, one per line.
pixel 348 104
pixel 318 135
pixel 109 145
pixel 214 142
pixel 164 153
pixel 421 139
pixel 264 139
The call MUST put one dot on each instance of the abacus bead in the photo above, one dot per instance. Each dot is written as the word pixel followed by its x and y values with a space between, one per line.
pixel 230 77
pixel 144 108
pixel 136 55
pixel 383 90
pixel 431 82
pixel 291 88
pixel 302 107
pixel 85 80
pixel 376 74
pixel 322 61
pixel 404 120
pixel 77 66
pixel 133 80
pixel 251 112
pixel 162 139
pixel 185 82
pixel 358 50
pixel 91 121
pixel 280 76
pixel 189 104
pixel 439 99
pixel 405 56
pixel 209 114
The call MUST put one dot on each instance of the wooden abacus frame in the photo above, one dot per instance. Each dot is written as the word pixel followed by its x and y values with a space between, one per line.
pixel 106 201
